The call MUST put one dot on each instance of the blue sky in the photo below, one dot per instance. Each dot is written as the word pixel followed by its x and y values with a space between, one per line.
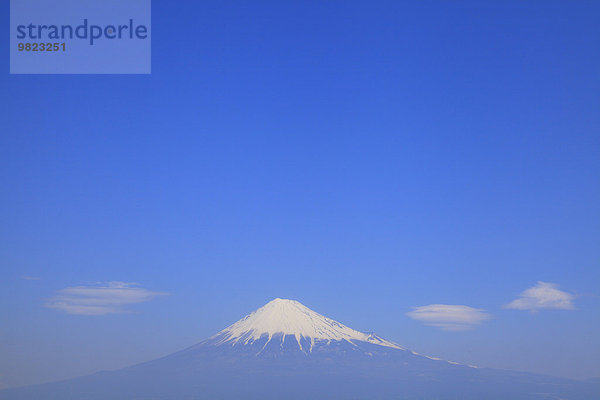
pixel 362 158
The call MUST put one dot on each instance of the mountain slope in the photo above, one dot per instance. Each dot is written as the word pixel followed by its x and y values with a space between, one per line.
pixel 285 350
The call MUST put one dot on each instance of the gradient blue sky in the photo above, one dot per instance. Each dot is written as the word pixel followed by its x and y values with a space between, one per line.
pixel 363 158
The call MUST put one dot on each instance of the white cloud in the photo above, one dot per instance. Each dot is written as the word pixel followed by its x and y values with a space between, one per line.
pixel 543 295
pixel 100 298
pixel 449 317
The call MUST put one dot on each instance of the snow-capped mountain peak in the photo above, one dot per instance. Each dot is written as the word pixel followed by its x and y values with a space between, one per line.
pixel 285 350
pixel 285 317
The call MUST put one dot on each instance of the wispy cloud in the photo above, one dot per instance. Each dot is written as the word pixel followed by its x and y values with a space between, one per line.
pixel 100 298
pixel 544 295
pixel 449 317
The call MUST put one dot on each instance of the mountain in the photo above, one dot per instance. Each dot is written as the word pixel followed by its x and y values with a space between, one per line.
pixel 285 350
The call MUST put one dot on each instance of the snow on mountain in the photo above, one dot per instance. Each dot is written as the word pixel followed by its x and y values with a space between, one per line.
pixel 282 317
